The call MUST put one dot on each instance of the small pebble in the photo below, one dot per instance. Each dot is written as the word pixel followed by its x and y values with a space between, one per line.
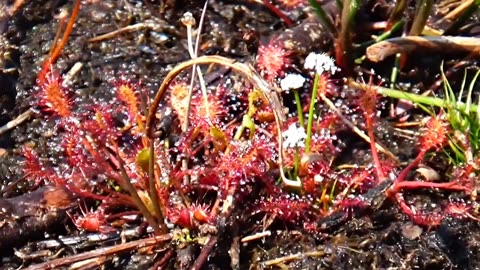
pixel 411 231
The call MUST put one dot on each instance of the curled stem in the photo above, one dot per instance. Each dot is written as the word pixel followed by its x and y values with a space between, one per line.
pixel 258 82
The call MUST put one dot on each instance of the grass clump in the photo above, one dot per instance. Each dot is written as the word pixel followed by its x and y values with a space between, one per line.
pixel 464 121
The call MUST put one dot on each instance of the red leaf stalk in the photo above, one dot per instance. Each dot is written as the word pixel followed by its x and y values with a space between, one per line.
pixel 368 102
pixel 57 49
pixel 278 13
pixel 373 147
pixel 434 136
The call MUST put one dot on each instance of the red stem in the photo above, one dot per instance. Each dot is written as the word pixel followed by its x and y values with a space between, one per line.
pixel 420 184
pixel 403 205
pixel 418 218
pixel 373 146
pixel 58 48
pixel 401 177
pixel 278 13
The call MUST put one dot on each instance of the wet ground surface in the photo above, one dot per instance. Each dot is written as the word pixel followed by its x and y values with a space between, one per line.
pixel 379 238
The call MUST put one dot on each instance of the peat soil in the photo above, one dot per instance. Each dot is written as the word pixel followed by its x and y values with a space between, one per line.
pixel 382 239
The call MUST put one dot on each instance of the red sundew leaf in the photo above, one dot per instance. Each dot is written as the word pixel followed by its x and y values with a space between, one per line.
pixel 180 216
pixel 178 98
pixel 32 167
pixel 100 125
pixel 326 86
pixel 292 4
pixel 211 179
pixel 290 209
pixel 203 117
pixel 434 134
pixel 126 93
pixel 248 159
pixel 273 59
pixel 53 95
pixel 309 185
pixel 367 101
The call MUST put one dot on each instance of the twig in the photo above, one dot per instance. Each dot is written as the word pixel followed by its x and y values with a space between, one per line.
pixel 17 121
pixel 355 129
pixel 150 24
pixel 379 51
pixel 31 214
pixel 256 236
pixel 467 13
pixel 108 251
pixel 457 11
pixel 160 264
pixel 206 251
pixel 292 257
pixel 128 28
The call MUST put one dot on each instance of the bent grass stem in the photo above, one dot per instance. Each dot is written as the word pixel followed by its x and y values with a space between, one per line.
pixel 267 90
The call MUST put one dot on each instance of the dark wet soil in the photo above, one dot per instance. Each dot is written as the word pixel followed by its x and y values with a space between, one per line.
pixel 382 239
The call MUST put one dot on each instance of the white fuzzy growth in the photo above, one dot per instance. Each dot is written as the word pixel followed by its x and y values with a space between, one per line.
pixel 294 136
pixel 292 81
pixel 320 62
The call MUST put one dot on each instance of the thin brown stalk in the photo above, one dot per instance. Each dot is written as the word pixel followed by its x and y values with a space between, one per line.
pixel 107 251
pixel 68 30
pixel 344 50
pixel 422 12
pixel 205 253
pixel 355 129
pixel 158 228
pixel 293 257
pixel 397 13
pixel 157 203
pixel 17 121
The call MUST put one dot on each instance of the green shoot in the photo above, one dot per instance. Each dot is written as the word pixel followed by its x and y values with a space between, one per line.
pixel 464 120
